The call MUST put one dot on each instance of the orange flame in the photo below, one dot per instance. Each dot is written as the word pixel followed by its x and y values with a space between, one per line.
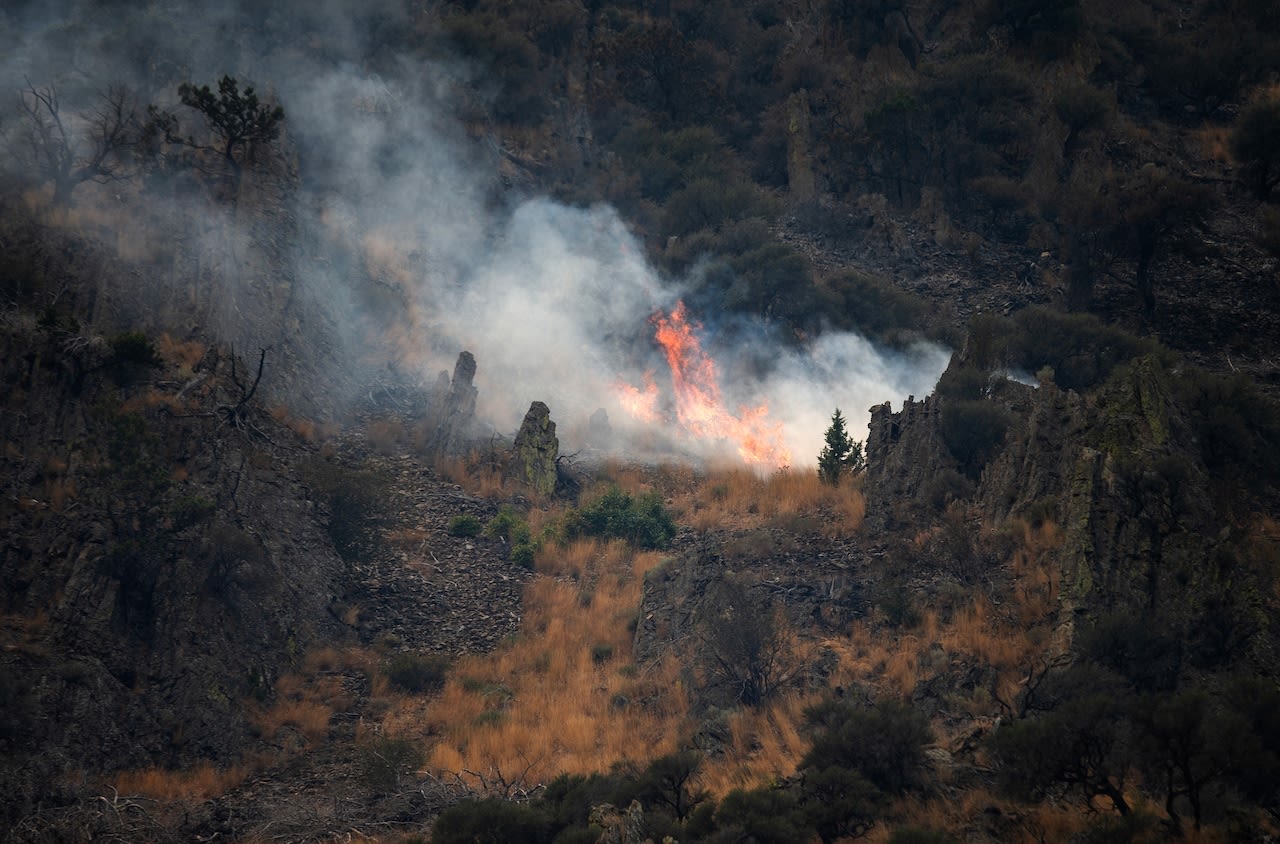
pixel 699 408
pixel 642 404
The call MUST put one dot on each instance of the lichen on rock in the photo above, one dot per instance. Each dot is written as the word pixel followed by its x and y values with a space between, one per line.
pixel 536 450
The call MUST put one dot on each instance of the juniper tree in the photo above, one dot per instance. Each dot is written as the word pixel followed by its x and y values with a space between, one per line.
pixel 237 120
pixel 841 452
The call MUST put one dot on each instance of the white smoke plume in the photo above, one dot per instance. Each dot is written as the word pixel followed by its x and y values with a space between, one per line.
pixel 400 203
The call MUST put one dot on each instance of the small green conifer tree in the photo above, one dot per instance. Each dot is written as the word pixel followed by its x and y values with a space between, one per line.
pixel 841 452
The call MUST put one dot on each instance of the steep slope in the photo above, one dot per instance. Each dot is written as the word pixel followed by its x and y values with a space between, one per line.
pixel 162 559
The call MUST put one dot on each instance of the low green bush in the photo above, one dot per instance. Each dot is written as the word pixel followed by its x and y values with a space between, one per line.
pixel 639 520
pixel 465 525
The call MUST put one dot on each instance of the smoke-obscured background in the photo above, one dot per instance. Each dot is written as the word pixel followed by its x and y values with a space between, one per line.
pixel 385 232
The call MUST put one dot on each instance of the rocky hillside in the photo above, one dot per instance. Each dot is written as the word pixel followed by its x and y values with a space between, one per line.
pixel 267 572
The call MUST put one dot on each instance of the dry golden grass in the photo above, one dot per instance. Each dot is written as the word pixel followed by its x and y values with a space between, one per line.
pixel 1006 637
pixel 478 476
pixel 564 696
pixel 1036 574
pixel 307 699
pixel 1215 143
pixel 304 428
pixel 740 498
pixel 975 632
pixel 307 717
pixel 201 782
pixel 1052 822
pixel 152 398
pixel 765 744
pixel 186 356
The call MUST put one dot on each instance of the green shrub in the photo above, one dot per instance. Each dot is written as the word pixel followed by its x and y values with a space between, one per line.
pixel 1237 427
pixel 877 309
pixel 885 743
pixel 512 529
pixel 508 61
pixel 506 525
pixel 492 821
pixel 642 521
pixel 972 431
pixel 963 383
pixel 416 673
pixel 763 815
pixel 465 525
pixel 669 161
pixel 134 347
pixel 525 553
pixel 1081 349
pixel 1048 27
pixel 897 602
pixel 708 204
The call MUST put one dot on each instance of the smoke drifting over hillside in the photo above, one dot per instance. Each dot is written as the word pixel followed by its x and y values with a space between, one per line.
pixel 401 238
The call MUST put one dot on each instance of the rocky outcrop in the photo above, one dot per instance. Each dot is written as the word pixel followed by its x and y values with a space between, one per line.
pixel 536 450
pixel 619 827
pixel 1120 470
pixel 451 417
pixel 904 453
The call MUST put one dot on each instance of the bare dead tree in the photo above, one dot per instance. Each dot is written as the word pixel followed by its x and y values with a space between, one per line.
pixel 237 414
pixel 744 646
pixel 70 149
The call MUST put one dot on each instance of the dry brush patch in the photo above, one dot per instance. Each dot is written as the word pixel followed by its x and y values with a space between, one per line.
pixel 200 782
pixel 741 498
pixel 1006 629
pixel 974 808
pixel 564 696
pixel 766 744
pixel 183 355
pixel 307 700
pixel 479 474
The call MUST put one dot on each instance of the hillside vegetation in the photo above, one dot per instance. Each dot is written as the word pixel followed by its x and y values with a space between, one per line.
pixel 270 570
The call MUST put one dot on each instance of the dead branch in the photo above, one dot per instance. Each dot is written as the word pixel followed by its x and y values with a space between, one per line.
pixel 237 415
pixel 88 147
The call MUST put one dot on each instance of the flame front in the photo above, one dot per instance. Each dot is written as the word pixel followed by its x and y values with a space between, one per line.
pixel 699 410
pixel 640 403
